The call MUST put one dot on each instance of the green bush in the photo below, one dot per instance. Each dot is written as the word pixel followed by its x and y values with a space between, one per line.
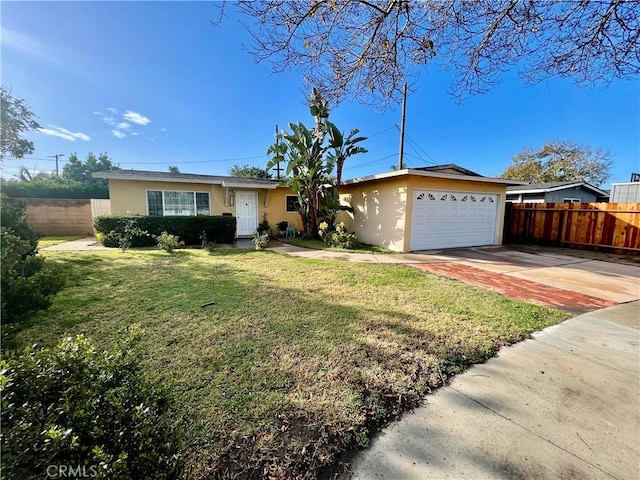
pixel 218 229
pixel 261 241
pixel 55 188
pixel 124 237
pixel 338 237
pixel 168 242
pixel 73 406
pixel 27 282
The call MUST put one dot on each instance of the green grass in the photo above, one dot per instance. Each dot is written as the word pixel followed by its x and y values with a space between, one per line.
pixel 49 240
pixel 291 361
pixel 316 244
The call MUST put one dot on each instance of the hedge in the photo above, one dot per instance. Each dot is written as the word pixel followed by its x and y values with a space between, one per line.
pixel 54 189
pixel 218 229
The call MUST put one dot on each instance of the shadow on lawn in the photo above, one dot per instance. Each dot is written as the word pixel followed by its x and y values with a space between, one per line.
pixel 274 380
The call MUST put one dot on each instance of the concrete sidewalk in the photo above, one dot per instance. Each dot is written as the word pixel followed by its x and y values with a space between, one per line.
pixel 565 404
pixel 83 244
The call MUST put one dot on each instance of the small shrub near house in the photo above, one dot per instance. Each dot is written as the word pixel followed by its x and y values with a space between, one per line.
pixel 261 241
pixel 74 407
pixel 218 229
pixel 338 236
pixel 122 238
pixel 28 282
pixel 168 242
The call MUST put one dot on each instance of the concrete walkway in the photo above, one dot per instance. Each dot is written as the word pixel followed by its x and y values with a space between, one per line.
pixel 84 244
pixel 565 404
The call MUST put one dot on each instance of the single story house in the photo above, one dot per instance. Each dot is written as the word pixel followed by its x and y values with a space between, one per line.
pixel 250 200
pixel 556 192
pixel 443 206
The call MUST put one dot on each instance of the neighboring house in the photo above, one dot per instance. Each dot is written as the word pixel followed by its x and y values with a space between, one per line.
pixel 445 206
pixel 556 192
pixel 628 192
pixel 250 200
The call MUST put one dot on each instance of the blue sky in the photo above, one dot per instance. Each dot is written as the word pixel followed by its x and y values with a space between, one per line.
pixel 155 84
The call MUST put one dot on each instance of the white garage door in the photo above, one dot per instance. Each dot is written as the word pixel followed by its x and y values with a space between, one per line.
pixel 453 219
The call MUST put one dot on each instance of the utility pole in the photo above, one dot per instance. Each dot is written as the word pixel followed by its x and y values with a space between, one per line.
pixel 404 111
pixel 56 157
pixel 278 169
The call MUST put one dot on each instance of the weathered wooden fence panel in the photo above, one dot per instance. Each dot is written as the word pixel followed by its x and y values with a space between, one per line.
pixel 613 227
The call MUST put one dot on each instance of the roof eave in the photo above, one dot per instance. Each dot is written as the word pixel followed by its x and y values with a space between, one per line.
pixel 421 173
pixel 268 186
pixel 174 179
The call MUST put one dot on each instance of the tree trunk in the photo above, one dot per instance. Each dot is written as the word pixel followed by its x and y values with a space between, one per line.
pixel 311 228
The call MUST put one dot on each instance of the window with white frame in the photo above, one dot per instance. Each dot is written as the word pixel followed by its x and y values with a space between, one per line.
pixel 571 200
pixel 291 204
pixel 173 202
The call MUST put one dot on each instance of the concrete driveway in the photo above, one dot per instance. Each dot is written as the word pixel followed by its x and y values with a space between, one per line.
pixel 565 404
pixel 572 283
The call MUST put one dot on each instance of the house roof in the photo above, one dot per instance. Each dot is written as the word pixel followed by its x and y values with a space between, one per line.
pixel 448 166
pixel 427 173
pixel 231 182
pixel 554 186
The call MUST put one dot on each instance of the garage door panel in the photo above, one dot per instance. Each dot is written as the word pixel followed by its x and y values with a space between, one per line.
pixel 443 219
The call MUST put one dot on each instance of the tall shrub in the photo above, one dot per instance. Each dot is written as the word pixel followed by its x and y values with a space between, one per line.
pixel 27 282
pixel 75 408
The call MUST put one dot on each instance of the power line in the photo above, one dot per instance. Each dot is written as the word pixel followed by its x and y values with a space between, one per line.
pixel 382 131
pixel 366 164
pixel 422 149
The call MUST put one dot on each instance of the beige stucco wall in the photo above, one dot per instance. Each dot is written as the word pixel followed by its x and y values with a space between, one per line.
pixel 379 211
pixel 383 208
pixel 59 216
pixel 129 196
pixel 275 209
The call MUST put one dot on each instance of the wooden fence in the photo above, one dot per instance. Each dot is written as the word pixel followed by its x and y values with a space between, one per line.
pixel 613 227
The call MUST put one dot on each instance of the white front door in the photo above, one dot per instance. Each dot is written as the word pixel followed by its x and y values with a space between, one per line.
pixel 453 219
pixel 246 212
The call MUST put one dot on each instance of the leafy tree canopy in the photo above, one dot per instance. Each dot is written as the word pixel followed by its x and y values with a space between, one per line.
pixel 80 171
pixel 249 171
pixel 560 161
pixel 367 49
pixel 16 119
pixel 173 169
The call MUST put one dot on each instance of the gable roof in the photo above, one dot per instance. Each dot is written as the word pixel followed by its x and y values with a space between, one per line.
pixel 555 186
pixel 232 182
pixel 449 168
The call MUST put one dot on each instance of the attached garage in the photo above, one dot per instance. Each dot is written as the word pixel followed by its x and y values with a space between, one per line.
pixel 448 219
pixel 423 209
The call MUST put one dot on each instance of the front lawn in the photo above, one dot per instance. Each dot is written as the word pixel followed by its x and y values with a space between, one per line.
pixel 316 244
pixel 280 364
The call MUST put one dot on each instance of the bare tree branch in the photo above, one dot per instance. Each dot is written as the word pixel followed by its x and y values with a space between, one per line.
pixel 367 49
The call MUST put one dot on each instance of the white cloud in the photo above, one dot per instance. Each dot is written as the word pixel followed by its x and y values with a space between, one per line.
pixel 64 133
pixel 112 110
pixel 123 125
pixel 118 134
pixel 27 45
pixel 135 133
pixel 135 117
pixel 107 119
pixel 163 129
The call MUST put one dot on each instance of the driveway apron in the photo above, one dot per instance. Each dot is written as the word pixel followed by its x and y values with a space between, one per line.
pixel 565 404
